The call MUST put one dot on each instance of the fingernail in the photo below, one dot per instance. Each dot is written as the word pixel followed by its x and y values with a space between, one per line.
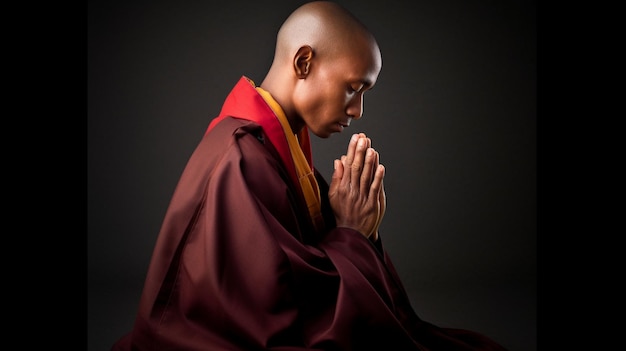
pixel 354 137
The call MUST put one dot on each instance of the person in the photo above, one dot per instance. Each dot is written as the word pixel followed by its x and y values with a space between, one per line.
pixel 256 250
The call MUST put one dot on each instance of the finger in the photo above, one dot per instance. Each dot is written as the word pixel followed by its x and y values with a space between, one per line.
pixel 352 147
pixel 368 170
pixel 347 161
pixel 377 183
pixel 369 145
pixel 356 169
pixel 336 177
pixel 376 163
pixel 345 172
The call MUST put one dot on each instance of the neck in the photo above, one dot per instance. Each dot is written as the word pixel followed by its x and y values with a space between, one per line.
pixel 282 95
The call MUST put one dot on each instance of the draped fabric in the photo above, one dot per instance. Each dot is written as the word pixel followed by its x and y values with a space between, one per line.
pixel 238 265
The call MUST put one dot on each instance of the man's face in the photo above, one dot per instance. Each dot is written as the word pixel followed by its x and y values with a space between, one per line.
pixel 331 96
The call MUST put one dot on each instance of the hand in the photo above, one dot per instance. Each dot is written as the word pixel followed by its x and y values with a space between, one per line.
pixel 382 202
pixel 383 206
pixel 356 190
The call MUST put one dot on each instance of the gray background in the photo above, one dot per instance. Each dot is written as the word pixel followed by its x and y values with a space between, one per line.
pixel 453 115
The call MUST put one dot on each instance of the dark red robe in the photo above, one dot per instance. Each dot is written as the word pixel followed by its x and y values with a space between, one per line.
pixel 238 266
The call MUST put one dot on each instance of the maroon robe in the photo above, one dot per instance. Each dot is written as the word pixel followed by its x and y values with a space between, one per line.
pixel 238 266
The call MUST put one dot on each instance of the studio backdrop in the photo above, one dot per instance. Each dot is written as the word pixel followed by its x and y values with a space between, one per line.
pixel 453 116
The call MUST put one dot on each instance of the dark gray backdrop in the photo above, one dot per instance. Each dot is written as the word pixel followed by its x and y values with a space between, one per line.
pixel 453 115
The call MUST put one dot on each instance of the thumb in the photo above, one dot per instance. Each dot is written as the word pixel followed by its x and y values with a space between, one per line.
pixel 336 177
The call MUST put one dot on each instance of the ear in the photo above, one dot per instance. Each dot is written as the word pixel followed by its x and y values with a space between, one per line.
pixel 302 61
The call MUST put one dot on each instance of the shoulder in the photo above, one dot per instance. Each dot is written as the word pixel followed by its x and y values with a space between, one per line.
pixel 231 127
pixel 242 142
pixel 246 156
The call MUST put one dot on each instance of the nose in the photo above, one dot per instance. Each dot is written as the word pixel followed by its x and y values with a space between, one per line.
pixel 355 107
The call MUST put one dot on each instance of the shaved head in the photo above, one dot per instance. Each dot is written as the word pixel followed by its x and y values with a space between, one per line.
pixel 325 26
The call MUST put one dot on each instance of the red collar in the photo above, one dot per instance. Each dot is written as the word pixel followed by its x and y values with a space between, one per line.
pixel 246 103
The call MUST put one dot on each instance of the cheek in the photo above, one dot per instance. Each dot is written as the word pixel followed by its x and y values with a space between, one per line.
pixel 330 97
pixel 319 102
pixel 306 101
pixel 311 99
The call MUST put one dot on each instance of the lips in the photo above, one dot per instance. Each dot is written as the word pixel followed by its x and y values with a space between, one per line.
pixel 343 124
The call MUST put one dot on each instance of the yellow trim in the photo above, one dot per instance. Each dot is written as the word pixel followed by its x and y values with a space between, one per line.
pixel 308 183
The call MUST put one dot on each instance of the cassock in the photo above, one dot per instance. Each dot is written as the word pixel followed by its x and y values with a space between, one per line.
pixel 239 264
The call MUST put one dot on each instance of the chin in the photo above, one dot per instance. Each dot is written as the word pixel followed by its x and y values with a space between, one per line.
pixel 324 134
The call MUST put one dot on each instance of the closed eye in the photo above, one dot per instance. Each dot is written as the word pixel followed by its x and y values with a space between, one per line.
pixel 357 87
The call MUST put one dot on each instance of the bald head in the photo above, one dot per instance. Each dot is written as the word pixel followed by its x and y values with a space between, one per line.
pixel 326 27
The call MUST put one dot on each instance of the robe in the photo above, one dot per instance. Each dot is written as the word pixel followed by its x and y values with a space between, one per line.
pixel 238 264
